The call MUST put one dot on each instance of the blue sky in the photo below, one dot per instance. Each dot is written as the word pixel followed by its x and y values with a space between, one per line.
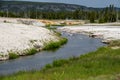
pixel 89 3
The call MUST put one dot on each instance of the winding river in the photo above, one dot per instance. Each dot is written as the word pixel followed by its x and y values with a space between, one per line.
pixel 77 44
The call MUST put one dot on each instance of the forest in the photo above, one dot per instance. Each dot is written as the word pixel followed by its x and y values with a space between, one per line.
pixel 107 14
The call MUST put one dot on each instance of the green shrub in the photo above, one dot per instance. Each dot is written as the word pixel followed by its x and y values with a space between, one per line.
pixel 63 41
pixel 59 63
pixel 54 45
pixel 51 46
pixel 13 55
pixel 57 33
pixel 48 25
pixel 31 51
pixel 48 66
pixel 101 20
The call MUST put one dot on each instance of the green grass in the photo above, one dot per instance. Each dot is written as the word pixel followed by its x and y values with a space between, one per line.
pixel 31 51
pixel 103 64
pixel 55 45
pixel 13 55
pixel 57 33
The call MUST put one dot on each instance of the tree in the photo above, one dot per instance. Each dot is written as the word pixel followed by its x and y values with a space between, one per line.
pixel 92 17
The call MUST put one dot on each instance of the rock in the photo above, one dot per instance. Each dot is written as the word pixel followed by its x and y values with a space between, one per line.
pixel 106 41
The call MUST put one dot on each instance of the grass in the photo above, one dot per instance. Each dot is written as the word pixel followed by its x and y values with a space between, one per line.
pixel 31 51
pixel 103 64
pixel 55 45
pixel 13 55
pixel 53 27
pixel 57 33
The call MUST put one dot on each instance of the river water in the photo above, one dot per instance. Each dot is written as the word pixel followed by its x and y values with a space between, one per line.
pixel 77 44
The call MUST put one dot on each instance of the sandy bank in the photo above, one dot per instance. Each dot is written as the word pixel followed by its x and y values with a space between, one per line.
pixel 19 37
pixel 107 33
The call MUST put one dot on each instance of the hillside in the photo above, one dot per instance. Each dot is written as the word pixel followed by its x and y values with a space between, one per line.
pixel 45 10
pixel 40 6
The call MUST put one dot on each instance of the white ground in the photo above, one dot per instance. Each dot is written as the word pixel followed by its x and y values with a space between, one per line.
pixel 22 21
pixel 104 32
pixel 18 37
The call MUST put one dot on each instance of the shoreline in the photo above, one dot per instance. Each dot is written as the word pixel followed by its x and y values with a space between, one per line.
pixel 74 47
pixel 102 58
pixel 21 39
pixel 28 34
pixel 106 33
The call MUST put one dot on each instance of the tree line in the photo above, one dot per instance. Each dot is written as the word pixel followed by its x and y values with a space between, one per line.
pixel 108 14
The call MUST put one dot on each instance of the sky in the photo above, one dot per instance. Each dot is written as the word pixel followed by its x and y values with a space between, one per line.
pixel 88 3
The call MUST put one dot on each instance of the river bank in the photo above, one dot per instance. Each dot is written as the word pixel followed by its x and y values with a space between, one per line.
pixel 77 45
pixel 102 64
pixel 106 33
pixel 18 39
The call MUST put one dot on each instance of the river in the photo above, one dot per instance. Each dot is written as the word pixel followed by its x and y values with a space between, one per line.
pixel 77 44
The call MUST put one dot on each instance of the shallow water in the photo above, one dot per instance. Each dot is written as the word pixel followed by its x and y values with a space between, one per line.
pixel 77 45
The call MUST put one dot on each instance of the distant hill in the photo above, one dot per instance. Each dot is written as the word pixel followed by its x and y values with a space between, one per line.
pixel 40 6
pixel 45 10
